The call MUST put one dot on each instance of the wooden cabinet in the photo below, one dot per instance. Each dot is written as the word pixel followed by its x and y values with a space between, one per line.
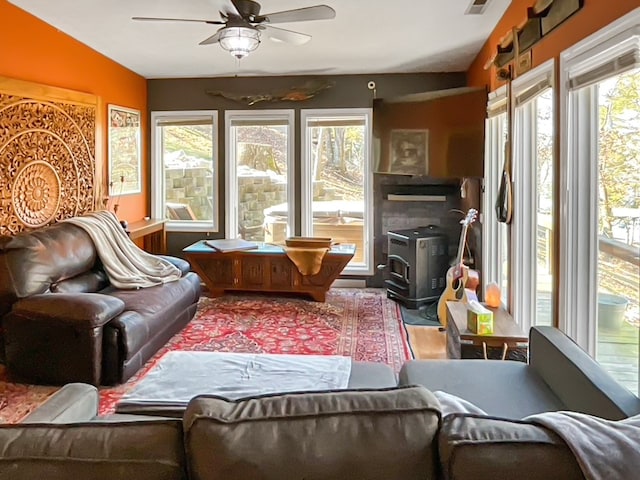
pixel 266 269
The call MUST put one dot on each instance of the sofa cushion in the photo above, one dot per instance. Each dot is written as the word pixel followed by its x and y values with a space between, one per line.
pixel 147 450
pixel 370 434
pixel 473 447
pixel 502 388
pixel 86 282
pixel 31 261
pixel 150 314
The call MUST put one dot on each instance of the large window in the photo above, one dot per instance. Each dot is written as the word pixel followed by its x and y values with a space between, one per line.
pixel 260 175
pixel 599 231
pixel 336 180
pixel 495 235
pixel 184 169
pixel 533 219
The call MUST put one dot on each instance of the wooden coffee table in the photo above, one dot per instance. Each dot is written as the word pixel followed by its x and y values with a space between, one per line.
pixel 508 341
pixel 265 269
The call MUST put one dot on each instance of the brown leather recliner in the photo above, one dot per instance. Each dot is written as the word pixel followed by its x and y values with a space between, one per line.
pixel 62 320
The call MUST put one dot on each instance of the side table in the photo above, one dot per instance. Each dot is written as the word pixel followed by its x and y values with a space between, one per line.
pixel 152 234
pixel 508 341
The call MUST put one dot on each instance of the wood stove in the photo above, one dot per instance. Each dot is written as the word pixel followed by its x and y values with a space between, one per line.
pixel 417 263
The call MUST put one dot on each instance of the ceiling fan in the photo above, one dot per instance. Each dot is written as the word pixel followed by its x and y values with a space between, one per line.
pixel 243 24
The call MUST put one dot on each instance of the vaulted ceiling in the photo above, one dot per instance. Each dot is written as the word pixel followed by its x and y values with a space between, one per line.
pixel 366 36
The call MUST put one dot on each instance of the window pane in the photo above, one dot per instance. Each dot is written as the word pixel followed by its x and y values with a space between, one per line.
pixel 261 168
pixel 187 148
pixel 337 169
pixel 619 226
pixel 544 216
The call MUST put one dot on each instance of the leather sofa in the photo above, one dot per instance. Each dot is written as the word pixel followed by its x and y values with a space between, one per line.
pixel 366 434
pixel 62 320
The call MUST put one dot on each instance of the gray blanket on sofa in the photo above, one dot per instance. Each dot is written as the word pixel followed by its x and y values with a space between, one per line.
pixel 604 449
pixel 181 375
pixel 126 264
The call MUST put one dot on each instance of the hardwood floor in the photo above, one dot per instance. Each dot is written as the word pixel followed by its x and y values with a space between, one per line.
pixel 427 342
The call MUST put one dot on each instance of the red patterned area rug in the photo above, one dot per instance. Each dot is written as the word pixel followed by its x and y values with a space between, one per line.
pixel 360 323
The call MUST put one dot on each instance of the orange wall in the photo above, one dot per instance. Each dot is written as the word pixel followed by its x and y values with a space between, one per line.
pixel 34 51
pixel 592 17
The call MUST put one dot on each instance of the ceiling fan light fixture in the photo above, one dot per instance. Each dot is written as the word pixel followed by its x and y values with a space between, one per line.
pixel 239 41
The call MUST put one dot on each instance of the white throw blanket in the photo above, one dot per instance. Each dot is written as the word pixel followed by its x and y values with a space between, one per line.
pixel 126 265
pixel 604 449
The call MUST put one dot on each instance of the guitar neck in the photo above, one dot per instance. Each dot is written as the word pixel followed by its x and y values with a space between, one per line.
pixel 463 237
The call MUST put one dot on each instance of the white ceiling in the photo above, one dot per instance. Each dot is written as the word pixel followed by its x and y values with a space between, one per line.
pixel 367 36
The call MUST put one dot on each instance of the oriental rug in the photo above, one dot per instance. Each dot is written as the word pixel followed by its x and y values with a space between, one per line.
pixel 360 323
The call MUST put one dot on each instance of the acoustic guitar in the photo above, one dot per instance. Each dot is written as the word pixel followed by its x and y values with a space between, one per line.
pixel 459 276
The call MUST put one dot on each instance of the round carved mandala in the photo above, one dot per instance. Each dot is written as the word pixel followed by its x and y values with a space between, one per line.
pixel 36 193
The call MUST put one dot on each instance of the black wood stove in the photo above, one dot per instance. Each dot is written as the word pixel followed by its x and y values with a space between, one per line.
pixel 417 263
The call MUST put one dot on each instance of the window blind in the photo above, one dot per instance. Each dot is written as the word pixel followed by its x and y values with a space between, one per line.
pixel 535 89
pixel 336 122
pixel 170 122
pixel 259 122
pixel 614 66
pixel 497 106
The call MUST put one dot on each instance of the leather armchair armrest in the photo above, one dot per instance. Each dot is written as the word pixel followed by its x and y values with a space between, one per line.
pixel 87 310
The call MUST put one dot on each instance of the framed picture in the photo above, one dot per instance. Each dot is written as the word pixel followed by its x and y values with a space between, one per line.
pixel 124 151
pixel 409 152
pixel 560 11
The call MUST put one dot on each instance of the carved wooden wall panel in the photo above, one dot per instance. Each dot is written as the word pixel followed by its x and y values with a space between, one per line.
pixel 48 167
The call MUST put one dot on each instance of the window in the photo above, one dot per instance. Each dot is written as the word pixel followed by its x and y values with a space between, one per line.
pixel 599 240
pixel 532 228
pixel 260 175
pixel 184 170
pixel 495 235
pixel 336 180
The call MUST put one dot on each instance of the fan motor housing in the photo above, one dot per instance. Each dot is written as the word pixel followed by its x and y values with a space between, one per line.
pixel 247 8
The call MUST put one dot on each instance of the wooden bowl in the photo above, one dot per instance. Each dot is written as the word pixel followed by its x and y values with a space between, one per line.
pixel 308 242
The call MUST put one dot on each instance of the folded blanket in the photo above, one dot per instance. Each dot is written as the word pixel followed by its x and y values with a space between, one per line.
pixel 604 449
pixel 126 264
pixel 180 375
pixel 307 260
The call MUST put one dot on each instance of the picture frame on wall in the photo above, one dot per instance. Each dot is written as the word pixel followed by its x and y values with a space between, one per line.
pixel 559 12
pixel 409 152
pixel 124 151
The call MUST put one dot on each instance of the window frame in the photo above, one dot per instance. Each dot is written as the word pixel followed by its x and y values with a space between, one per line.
pixel 524 226
pixel 231 184
pixel 578 218
pixel 158 196
pixel 492 248
pixel 306 188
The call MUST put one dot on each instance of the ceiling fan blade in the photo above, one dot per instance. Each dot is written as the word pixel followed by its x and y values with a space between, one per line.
pixel 229 9
pixel 287 36
pixel 215 38
pixel 156 19
pixel 319 12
